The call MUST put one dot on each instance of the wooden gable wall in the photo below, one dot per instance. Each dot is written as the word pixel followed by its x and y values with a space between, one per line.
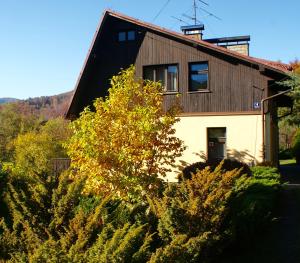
pixel 234 85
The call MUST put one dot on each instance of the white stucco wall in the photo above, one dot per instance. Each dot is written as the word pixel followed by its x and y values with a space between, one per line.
pixel 243 137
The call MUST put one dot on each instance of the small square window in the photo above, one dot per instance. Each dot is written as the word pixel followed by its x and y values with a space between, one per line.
pixel 131 35
pixel 122 36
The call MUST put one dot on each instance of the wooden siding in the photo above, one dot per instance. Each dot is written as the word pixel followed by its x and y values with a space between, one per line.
pixel 233 86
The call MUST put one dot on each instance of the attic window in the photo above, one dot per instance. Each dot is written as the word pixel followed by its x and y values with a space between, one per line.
pixel 126 36
pixel 131 35
pixel 122 36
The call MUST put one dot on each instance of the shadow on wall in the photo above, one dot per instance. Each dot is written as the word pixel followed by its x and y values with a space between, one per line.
pixel 242 156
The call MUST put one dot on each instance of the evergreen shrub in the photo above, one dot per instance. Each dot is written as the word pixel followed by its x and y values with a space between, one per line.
pixel 253 202
pixel 228 165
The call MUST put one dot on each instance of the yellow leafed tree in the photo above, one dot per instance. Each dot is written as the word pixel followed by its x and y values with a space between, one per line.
pixel 127 143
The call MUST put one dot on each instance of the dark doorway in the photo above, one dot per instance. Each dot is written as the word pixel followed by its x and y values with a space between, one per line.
pixel 216 143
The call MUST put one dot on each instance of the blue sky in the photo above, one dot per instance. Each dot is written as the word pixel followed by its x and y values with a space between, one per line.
pixel 43 43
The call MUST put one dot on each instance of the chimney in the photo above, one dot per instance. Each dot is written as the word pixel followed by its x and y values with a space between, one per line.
pixel 238 44
pixel 194 32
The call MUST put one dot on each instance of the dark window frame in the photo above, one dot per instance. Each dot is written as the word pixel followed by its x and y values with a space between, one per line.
pixel 199 72
pixel 127 32
pixel 165 66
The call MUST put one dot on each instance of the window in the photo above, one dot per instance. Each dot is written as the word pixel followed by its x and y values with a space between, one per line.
pixel 131 35
pixel 198 76
pixel 122 36
pixel 167 75
pixel 126 36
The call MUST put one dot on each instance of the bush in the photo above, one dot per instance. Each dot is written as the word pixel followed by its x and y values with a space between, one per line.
pixel 228 165
pixel 191 216
pixel 252 204
pixel 264 172
pixel 194 220
pixel 71 227
pixel 286 154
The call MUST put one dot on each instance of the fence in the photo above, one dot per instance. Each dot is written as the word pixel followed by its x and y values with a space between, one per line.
pixel 59 165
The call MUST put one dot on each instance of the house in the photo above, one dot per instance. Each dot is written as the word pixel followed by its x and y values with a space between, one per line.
pixel 229 99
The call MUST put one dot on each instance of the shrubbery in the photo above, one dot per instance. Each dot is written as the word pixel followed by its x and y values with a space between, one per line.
pixel 193 221
pixel 252 204
pixel 286 154
pixel 228 165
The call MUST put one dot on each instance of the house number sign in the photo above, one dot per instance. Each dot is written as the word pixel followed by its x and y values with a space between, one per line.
pixel 256 105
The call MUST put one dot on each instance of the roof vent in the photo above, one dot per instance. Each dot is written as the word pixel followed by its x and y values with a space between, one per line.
pixel 194 32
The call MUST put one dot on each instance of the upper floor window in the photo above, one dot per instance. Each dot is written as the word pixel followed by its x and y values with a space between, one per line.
pixel 198 76
pixel 126 36
pixel 167 75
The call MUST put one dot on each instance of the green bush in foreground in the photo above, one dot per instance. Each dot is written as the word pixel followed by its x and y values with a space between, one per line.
pixel 253 203
pixel 192 215
pixel 194 220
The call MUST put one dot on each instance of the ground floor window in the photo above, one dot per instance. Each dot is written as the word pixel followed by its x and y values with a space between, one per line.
pixel 216 143
pixel 166 74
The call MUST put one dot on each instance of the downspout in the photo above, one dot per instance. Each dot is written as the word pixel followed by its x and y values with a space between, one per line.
pixel 263 118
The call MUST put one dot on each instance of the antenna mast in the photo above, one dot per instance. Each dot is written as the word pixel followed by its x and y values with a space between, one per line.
pixel 195 12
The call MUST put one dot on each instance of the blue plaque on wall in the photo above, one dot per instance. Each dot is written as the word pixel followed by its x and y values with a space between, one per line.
pixel 256 105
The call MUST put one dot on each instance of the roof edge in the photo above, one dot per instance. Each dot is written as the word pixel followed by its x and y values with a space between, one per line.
pixel 105 13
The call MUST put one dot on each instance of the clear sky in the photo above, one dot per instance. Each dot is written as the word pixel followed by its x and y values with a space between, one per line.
pixel 43 43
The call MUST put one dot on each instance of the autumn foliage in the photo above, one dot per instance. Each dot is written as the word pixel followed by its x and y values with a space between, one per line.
pixel 127 144
pixel 295 66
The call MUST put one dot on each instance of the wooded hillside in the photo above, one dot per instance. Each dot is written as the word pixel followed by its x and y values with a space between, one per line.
pixel 46 106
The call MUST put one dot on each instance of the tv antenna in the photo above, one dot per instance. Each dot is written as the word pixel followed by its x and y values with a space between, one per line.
pixel 180 20
pixel 210 14
pixel 194 16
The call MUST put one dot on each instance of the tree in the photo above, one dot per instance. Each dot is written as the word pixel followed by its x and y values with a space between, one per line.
pixel 127 144
pixel 293 83
pixel 15 118
pixel 34 150
pixel 295 66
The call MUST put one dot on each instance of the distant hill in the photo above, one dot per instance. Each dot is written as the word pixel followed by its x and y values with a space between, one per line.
pixel 51 106
pixel 7 100
pixel 46 106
